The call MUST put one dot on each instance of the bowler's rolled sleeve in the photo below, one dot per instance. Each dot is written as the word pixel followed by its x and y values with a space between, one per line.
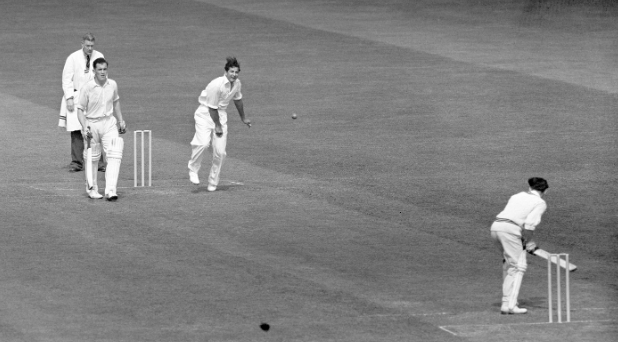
pixel 116 97
pixel 238 95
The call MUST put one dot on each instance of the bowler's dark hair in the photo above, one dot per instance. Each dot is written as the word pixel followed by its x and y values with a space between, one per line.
pixel 231 62
pixel 538 184
pixel 99 60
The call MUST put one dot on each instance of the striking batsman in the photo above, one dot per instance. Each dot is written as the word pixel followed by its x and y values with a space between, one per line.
pixel 100 116
pixel 512 232
pixel 211 122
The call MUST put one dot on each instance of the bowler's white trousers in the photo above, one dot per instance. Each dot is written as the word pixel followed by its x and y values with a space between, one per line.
pixel 203 138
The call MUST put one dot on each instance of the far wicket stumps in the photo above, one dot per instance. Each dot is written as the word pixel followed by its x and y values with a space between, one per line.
pixel 142 133
pixel 567 296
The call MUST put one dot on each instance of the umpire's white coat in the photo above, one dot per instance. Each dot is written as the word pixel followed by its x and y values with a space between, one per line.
pixel 73 78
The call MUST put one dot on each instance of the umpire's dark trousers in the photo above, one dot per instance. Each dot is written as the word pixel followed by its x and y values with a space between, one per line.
pixel 77 149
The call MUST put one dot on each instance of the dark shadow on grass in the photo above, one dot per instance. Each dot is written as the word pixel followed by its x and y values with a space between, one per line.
pixel 220 187
pixel 531 302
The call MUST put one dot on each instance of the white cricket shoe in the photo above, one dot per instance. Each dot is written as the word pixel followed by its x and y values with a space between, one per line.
pixel 211 187
pixel 194 178
pixel 514 311
pixel 94 194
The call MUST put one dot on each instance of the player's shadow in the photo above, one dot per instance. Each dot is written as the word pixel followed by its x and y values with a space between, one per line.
pixel 532 302
pixel 220 187
pixel 535 302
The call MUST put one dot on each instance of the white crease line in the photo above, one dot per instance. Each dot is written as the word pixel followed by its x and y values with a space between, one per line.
pixel 55 189
pixel 448 331
pixel 129 187
pixel 594 309
pixel 163 187
pixel 409 315
pixel 139 189
pixel 443 327
pixel 430 314
pixel 44 196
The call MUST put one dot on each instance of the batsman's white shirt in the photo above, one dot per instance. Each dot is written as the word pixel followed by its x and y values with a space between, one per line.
pixel 74 76
pixel 217 95
pixel 97 101
pixel 525 209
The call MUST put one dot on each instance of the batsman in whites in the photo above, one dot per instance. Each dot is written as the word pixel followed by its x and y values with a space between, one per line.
pixel 512 232
pixel 98 111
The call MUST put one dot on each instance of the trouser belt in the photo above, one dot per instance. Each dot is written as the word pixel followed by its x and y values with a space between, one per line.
pixel 499 219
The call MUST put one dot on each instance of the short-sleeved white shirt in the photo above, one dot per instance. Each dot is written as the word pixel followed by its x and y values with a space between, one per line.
pixel 218 94
pixel 98 101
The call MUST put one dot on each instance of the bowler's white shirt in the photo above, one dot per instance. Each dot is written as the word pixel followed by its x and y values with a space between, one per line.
pixel 217 95
pixel 525 209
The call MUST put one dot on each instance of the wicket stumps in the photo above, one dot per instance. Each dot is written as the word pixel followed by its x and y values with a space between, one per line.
pixel 142 133
pixel 567 296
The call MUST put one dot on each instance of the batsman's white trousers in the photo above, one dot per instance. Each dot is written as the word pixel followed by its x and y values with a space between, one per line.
pixel 511 246
pixel 103 131
pixel 203 138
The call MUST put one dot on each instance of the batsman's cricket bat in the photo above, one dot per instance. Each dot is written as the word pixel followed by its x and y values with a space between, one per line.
pixel 545 255
pixel 88 162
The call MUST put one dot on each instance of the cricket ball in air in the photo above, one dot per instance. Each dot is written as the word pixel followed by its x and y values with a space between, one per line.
pixel 294 116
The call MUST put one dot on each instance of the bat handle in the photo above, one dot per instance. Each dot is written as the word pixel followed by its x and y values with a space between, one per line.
pixel 88 136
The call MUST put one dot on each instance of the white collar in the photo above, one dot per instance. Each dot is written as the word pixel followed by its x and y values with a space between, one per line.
pixel 227 80
pixel 100 85
pixel 535 192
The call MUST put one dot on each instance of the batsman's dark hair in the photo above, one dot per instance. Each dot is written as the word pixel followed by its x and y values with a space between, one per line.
pixel 99 60
pixel 231 62
pixel 538 184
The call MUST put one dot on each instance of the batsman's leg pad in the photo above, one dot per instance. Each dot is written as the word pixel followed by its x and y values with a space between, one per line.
pixel 114 156
pixel 96 151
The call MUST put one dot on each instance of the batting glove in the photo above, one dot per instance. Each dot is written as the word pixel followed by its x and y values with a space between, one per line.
pixel 531 247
